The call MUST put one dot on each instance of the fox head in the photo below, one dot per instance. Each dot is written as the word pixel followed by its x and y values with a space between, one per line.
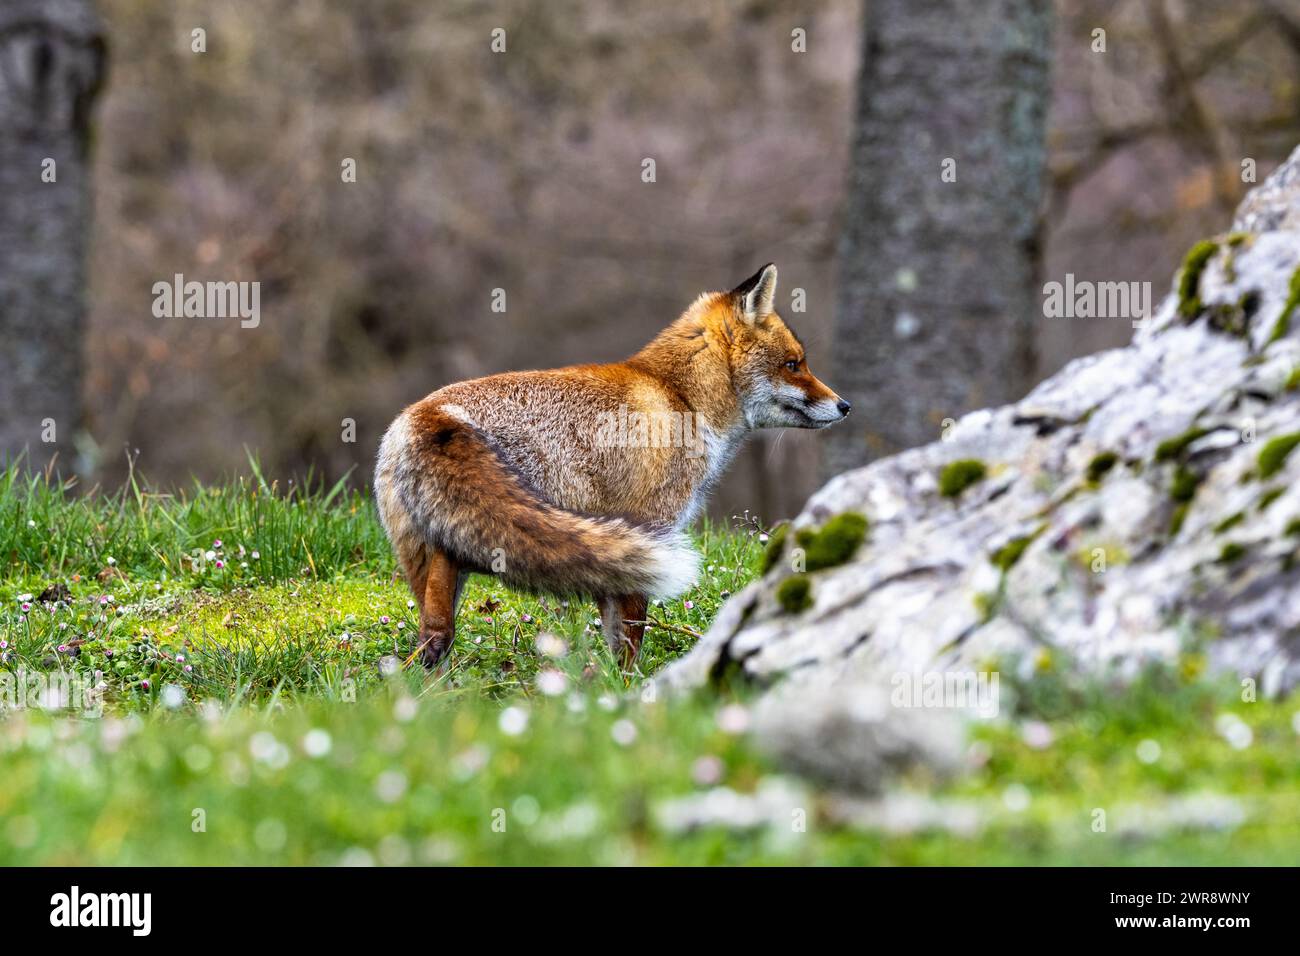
pixel 768 365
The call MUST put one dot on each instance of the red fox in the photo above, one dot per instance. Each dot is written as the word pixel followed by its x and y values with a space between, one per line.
pixel 581 480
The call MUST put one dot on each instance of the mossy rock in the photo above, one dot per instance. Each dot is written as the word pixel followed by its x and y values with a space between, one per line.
pixel 1229 522
pixel 775 544
pixel 1177 518
pixel 1100 465
pixel 1005 557
pixel 794 594
pixel 1232 551
pixel 834 543
pixel 1274 454
pixel 1189 278
pixel 1270 496
pixel 959 475
pixel 1172 448
pixel 1283 324
pixel 1183 487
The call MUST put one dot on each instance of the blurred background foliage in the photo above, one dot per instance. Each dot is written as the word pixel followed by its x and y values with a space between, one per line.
pixel 522 171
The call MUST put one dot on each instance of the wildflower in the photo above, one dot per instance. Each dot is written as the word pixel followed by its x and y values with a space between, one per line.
pixel 220 564
pixel 733 719
pixel 63 648
pixel 623 732
pixel 1148 751
pixel 551 682
pixel 513 721
pixel 1036 734
pixel 255 555
pixel 210 555
pixel 26 607
pixel 707 771
pixel 217 544
pixel 317 742
pixel 689 605
pixel 383 619
pixel 111 561
pixel 144 685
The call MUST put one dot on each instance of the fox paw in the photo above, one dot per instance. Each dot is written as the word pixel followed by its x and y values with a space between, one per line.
pixel 434 646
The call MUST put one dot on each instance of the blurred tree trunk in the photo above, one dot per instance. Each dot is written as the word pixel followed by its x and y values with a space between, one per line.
pixel 937 278
pixel 51 67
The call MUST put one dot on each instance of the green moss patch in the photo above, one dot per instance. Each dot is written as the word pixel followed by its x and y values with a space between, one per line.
pixel 959 475
pixel 834 543
pixel 1232 551
pixel 775 544
pixel 1189 279
pixel 1005 557
pixel 1183 487
pixel 1171 448
pixel 1270 496
pixel 1283 324
pixel 1177 518
pixel 795 594
pixel 1274 453
pixel 1229 522
pixel 1100 465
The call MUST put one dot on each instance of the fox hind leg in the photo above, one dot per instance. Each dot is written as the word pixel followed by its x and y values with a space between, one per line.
pixel 442 586
pixel 622 619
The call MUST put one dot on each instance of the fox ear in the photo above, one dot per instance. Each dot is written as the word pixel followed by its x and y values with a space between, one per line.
pixel 755 295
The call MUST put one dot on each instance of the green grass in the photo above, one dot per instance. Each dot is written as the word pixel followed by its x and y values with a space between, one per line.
pixel 262 714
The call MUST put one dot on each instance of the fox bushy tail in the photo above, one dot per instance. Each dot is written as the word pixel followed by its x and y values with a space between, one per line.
pixel 440 484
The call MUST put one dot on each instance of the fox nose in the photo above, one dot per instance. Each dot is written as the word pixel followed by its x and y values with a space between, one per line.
pixel 843 406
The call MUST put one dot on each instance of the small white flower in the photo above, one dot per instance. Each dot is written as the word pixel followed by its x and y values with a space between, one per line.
pixel 1036 734
pixel 405 709
pixel 390 785
pixel 317 743
pixel 733 719
pixel 1016 797
pixel 1148 751
pixel 624 732
pixel 513 721
pixel 552 683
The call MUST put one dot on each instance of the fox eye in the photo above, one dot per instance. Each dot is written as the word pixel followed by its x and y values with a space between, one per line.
pixel 793 365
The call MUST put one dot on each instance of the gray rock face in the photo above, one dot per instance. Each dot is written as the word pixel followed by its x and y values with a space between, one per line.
pixel 1186 545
